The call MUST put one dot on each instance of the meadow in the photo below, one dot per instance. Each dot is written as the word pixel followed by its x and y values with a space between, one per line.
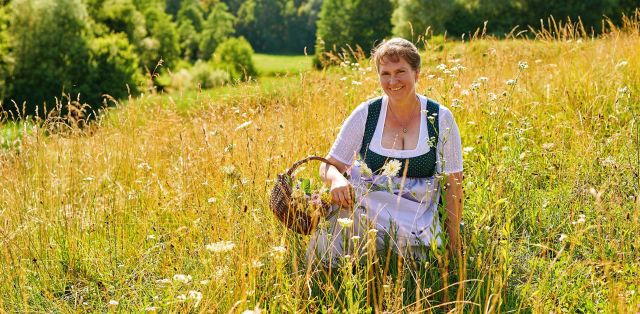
pixel 161 205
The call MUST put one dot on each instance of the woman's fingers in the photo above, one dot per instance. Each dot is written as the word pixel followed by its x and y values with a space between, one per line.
pixel 342 196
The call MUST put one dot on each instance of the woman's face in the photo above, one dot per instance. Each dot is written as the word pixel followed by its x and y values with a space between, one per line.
pixel 398 79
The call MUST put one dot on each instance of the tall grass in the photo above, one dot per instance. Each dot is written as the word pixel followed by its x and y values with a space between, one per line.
pixel 118 215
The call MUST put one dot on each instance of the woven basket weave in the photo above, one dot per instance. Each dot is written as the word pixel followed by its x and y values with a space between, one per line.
pixel 292 213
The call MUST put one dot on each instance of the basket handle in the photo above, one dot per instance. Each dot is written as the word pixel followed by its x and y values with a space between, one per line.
pixel 303 161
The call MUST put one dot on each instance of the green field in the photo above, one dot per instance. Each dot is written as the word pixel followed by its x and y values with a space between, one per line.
pixel 271 65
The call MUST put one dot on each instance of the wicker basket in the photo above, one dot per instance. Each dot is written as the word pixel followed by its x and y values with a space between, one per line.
pixel 293 214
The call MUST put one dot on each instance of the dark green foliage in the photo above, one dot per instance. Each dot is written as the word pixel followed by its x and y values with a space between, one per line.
pixel 190 20
pixel 354 23
pixel 279 26
pixel 121 16
pixel 5 59
pixel 412 18
pixel 51 58
pixel 163 42
pixel 114 67
pixel 235 56
pixel 217 28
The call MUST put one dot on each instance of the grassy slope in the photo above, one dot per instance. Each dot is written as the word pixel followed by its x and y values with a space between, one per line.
pixel 551 187
pixel 271 65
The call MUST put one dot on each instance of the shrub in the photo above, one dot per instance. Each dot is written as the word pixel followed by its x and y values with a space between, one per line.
pixel 206 76
pixel 235 55
pixel 114 67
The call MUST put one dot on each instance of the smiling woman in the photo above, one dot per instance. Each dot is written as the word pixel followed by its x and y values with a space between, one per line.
pixel 398 149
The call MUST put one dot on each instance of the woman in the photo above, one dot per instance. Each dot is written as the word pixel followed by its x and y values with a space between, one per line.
pixel 397 148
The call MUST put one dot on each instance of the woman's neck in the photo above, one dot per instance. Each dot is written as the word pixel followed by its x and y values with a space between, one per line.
pixel 405 107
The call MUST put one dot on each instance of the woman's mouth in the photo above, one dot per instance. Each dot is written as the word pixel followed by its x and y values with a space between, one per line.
pixel 396 88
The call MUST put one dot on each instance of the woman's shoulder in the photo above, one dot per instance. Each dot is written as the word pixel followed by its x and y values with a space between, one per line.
pixel 363 108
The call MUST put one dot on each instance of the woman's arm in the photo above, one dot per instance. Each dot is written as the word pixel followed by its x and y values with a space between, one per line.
pixel 341 189
pixel 454 201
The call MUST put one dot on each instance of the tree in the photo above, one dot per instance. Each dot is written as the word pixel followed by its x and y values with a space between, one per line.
pixel 411 18
pixel 354 23
pixel 217 28
pixel 50 57
pixel 122 16
pixel 6 61
pixel 163 42
pixel 114 67
pixel 235 55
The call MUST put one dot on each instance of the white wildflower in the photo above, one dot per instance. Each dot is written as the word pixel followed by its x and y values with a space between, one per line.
pixel 622 64
pixel 465 92
pixel 430 76
pixel 151 237
pixel 548 146
pixel 88 179
pixel 257 264
pixel 204 282
pixel 511 82
pixel 355 238
pixel 195 295
pixel 609 161
pixel 562 237
pixel 181 298
pixel 278 250
pixel 537 61
pixel 523 65
pixel 163 281
pixel 467 149
pixel 483 79
pixel 228 169
pixel 492 96
pixel 475 86
pixel 212 200
pixel 456 103
pixel 182 278
pixel 144 166
pixel 624 91
pixel 356 83
pixel 441 67
pixel 243 125
pixel 256 310
pixel 113 303
pixel 220 247
pixel 372 231
pixel 345 222
pixel 151 309
pixel 391 168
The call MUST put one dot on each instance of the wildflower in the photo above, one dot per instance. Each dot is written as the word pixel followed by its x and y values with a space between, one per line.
pixel 441 67
pixel 163 281
pixel 446 71
pixel 356 83
pixel 430 76
pixel 372 231
pixel 151 309
pixel 468 149
pixel 609 161
pixel 88 179
pixel 151 237
pixel 562 237
pixel 212 200
pixel 547 146
pixel 511 82
pixel 220 271
pixel 204 282
pixel 492 96
pixel 220 247
pixel 538 61
pixel 483 79
pixel 257 264
pixel 581 219
pixel 113 303
pixel 181 298
pixel 464 92
pixel 475 86
pixel 624 91
pixel 456 103
pixel 182 278
pixel 228 169
pixel 365 170
pixel 523 65
pixel 144 166
pixel 243 125
pixel 256 310
pixel 195 295
pixel 345 222
pixel 621 64
pixel 279 250
pixel 391 168
pixel 355 238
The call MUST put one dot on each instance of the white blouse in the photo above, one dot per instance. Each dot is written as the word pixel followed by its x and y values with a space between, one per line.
pixel 448 150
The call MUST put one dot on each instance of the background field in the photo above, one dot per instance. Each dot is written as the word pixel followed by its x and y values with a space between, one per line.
pixel 118 215
pixel 270 65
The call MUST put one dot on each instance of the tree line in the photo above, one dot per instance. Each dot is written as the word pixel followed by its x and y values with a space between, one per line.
pixel 83 50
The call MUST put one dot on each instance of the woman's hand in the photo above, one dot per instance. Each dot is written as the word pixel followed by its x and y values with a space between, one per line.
pixel 342 192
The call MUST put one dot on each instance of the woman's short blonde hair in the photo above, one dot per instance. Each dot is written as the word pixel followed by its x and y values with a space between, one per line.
pixel 394 49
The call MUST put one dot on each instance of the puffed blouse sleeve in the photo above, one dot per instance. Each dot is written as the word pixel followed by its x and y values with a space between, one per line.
pixel 449 148
pixel 347 145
